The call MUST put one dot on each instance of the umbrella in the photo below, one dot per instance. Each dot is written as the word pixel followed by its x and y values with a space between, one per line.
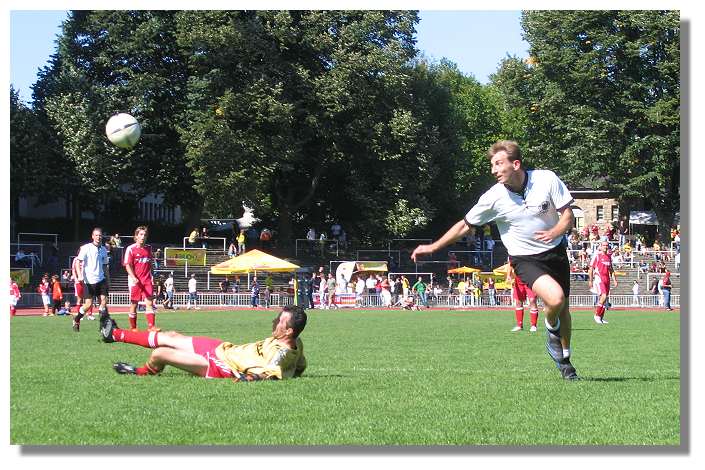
pixel 463 270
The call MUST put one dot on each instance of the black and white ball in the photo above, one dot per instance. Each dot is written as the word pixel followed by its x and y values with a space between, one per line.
pixel 123 130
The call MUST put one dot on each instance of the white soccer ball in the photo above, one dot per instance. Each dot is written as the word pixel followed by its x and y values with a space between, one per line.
pixel 123 130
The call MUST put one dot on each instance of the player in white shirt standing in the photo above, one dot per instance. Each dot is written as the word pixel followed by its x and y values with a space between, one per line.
pixel 532 211
pixel 93 258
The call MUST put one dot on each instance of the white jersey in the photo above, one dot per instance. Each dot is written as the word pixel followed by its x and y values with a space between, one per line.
pixel 192 285
pixel 519 216
pixel 94 258
pixel 169 284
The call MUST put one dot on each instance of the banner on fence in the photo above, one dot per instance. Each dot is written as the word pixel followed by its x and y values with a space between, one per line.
pixel 340 299
pixel 180 256
pixel 20 276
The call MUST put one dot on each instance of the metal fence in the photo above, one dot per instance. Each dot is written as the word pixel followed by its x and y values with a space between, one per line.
pixel 277 299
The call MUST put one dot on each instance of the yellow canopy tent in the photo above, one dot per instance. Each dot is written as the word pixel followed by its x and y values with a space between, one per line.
pixel 253 261
pixel 501 270
pixel 464 270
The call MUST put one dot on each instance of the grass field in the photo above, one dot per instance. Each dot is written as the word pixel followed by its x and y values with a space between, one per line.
pixel 374 378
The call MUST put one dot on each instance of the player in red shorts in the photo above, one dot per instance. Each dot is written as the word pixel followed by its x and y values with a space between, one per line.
pixel 138 264
pixel 520 292
pixel 280 356
pixel 599 275
pixel 78 287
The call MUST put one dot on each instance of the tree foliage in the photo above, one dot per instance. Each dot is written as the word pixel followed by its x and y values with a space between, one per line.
pixel 599 101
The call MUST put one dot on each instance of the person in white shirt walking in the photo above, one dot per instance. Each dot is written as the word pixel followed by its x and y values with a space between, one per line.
pixel 92 271
pixel 192 293
pixel 635 294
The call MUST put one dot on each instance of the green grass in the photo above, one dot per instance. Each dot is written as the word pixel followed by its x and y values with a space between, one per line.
pixel 374 378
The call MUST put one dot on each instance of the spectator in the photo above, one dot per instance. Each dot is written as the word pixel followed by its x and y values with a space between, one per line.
pixel 193 236
pixel 265 238
pixel 66 276
pixel 310 287
pixel 232 250
pixel 677 261
pixel 420 288
pixel 65 310
pixel 236 285
pixel 160 295
pixel 157 258
pixel 322 243
pixel 27 259
pixel 335 231
pixel 322 287
pixel 653 288
pixel 204 237
pixel 224 285
pixel 635 293
pixel 452 260
pixel 44 289
pixel 254 293
pixel 57 294
pixel 241 239
pixel 405 286
pixel 622 231
pixel 192 293
pixel 331 289
pixel 666 289
pixel 311 234
pixel 169 290
pixel 491 291
pixel 386 293
pixel 116 241
pixel 643 267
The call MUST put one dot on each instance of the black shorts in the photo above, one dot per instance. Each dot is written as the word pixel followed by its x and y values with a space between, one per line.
pixel 96 290
pixel 553 262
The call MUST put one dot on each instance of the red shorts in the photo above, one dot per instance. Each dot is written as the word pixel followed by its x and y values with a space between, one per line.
pixel 78 289
pixel 205 346
pixel 521 291
pixel 141 291
pixel 603 287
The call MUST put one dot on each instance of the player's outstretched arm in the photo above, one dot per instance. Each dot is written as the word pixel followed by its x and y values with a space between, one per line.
pixel 457 231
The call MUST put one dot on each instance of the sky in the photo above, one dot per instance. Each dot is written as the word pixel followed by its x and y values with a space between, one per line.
pixel 468 38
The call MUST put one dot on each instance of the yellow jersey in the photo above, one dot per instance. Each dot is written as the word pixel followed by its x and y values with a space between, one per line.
pixel 268 357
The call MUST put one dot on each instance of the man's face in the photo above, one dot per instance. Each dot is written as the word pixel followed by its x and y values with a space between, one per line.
pixel 503 169
pixel 280 325
pixel 604 246
pixel 96 237
pixel 141 237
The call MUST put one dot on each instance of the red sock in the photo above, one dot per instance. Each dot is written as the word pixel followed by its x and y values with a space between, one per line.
pixel 598 310
pixel 534 316
pixel 602 311
pixel 150 319
pixel 519 314
pixel 13 310
pixel 146 370
pixel 147 339
pixel 133 320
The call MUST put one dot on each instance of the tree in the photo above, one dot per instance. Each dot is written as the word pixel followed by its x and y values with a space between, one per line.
pixel 602 101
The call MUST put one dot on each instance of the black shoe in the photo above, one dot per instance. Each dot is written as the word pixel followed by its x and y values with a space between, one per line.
pixel 567 370
pixel 107 325
pixel 554 346
pixel 124 368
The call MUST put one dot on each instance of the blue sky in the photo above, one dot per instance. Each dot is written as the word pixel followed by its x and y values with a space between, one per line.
pixel 475 40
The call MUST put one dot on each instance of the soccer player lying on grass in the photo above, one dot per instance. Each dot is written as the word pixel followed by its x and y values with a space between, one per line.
pixel 281 356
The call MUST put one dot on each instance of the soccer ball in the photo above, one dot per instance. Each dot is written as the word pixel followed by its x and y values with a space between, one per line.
pixel 123 130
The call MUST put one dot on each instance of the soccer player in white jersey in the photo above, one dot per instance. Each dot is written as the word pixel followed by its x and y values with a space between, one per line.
pixel 93 258
pixel 532 211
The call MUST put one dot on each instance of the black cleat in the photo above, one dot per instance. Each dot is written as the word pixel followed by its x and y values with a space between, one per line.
pixel 107 325
pixel 124 368
pixel 567 370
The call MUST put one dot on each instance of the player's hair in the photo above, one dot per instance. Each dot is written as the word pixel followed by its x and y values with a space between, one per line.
pixel 298 318
pixel 141 227
pixel 509 146
pixel 97 228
